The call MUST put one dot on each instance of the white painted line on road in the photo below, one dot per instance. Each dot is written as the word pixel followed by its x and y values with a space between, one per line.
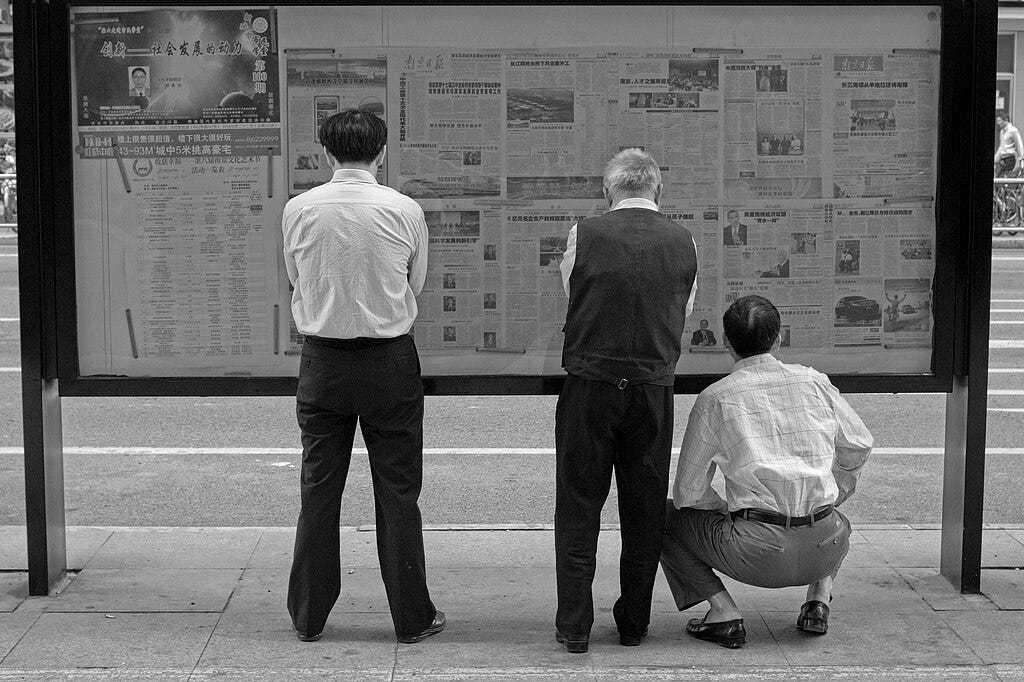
pixel 10 369
pixel 1006 409
pixel 1006 370
pixel 432 452
pixel 1006 310
pixel 1005 343
pixel 10 319
pixel 1006 321
pixel 1005 391
pixel 8 255
pixel 1007 257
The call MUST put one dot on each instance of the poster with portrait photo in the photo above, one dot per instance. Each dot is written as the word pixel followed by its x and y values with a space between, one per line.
pixel 193 66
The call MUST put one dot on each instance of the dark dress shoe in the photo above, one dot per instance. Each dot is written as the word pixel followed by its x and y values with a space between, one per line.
pixel 574 645
pixel 728 633
pixel 308 638
pixel 434 628
pixel 631 640
pixel 813 617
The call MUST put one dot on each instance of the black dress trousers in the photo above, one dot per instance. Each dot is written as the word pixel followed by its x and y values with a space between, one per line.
pixel 376 383
pixel 600 429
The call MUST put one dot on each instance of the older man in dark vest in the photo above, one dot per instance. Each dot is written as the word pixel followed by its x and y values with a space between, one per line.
pixel 629 275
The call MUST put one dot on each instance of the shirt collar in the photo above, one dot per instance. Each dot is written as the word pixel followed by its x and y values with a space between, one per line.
pixel 756 360
pixel 353 175
pixel 635 202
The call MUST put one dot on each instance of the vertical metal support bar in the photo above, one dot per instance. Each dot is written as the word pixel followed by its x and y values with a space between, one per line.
pixel 963 491
pixel 44 461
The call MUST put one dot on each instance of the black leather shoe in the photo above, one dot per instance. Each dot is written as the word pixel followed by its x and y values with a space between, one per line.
pixel 729 633
pixel 574 645
pixel 813 617
pixel 631 640
pixel 308 638
pixel 434 628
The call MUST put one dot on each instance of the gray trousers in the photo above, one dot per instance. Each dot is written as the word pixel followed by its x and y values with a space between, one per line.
pixel 699 542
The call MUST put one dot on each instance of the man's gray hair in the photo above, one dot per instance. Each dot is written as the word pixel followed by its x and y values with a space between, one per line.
pixel 632 172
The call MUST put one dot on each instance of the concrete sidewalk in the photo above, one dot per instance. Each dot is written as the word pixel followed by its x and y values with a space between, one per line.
pixel 209 603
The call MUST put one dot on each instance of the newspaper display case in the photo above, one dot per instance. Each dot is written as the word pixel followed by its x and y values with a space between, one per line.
pixel 821 153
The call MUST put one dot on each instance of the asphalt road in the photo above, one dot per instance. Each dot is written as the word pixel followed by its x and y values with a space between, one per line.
pixel 251 486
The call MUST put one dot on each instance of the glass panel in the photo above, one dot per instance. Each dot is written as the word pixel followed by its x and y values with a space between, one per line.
pixel 1004 53
pixel 803 163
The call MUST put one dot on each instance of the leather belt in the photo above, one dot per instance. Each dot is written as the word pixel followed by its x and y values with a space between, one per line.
pixel 780 520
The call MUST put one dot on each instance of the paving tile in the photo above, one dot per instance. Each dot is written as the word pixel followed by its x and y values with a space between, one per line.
pixel 856 589
pixel 147 589
pixel 1004 587
pixel 13 590
pixel 87 675
pixel 285 675
pixel 911 548
pixel 994 637
pixel 862 552
pixel 464 549
pixel 91 640
pixel 265 590
pixel 940 594
pixel 883 639
pixel 13 626
pixel 177 548
pixel 1000 549
pixel 82 543
pixel 364 642
pixel 505 675
pixel 1009 673
pixel 277 545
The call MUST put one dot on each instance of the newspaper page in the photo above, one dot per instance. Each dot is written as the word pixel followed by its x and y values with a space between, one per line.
pixel 885 123
pixel 177 118
pixel 450 108
pixel 670 104
pixel 316 88
pixel 772 125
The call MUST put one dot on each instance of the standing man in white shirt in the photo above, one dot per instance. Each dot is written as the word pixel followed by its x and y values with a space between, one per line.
pixel 630 278
pixel 1011 149
pixel 790 449
pixel 356 255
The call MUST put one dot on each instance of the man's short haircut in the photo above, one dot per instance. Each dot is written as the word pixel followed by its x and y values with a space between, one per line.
pixel 354 136
pixel 1001 113
pixel 731 211
pixel 751 324
pixel 632 172
pixel 138 68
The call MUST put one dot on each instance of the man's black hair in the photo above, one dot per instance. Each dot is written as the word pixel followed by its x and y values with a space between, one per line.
pixel 1001 113
pixel 751 324
pixel 354 136
pixel 138 68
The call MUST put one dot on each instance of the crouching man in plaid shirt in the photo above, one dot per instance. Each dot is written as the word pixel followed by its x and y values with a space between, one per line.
pixel 790 449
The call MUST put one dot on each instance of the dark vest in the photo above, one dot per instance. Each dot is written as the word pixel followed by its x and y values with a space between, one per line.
pixel 632 277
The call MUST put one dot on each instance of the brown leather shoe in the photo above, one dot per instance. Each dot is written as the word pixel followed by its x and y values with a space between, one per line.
pixel 728 633
pixel 433 629
pixel 813 617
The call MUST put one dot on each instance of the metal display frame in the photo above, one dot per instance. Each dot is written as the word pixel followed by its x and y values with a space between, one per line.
pixel 47 283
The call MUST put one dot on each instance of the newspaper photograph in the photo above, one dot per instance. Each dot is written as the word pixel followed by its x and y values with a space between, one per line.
pixel 316 89
pixel 908 310
pixel 858 312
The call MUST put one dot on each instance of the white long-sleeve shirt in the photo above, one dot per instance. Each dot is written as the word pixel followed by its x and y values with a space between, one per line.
pixel 356 254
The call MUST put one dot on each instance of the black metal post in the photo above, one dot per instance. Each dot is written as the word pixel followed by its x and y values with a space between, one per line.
pixel 44 457
pixel 963 490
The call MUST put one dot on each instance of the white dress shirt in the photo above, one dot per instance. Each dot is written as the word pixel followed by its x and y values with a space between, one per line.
pixel 356 254
pixel 569 257
pixel 784 438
